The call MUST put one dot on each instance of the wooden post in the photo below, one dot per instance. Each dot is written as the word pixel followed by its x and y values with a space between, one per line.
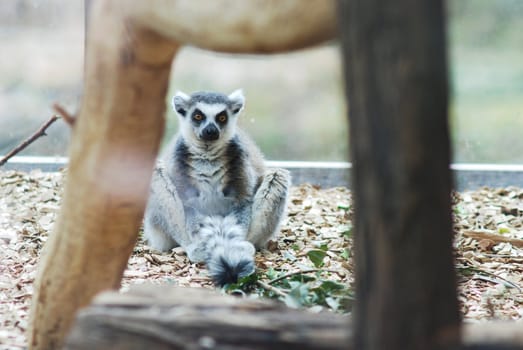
pixel 396 76
pixel 114 146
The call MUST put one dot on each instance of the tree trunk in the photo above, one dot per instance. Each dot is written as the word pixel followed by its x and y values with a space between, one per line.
pixel 114 146
pixel 396 76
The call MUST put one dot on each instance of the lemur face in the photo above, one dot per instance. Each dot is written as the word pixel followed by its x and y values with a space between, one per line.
pixel 208 117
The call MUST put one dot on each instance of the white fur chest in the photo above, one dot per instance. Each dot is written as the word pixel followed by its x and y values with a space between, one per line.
pixel 209 178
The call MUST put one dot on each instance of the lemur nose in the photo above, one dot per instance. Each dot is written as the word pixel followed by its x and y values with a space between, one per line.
pixel 210 133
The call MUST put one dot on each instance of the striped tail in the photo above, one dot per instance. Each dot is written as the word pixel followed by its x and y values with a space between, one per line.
pixel 228 255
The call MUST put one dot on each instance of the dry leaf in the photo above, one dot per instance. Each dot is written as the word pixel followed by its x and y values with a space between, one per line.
pixel 486 244
pixel 29 204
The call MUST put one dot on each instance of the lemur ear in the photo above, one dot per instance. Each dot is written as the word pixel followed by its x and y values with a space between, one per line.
pixel 237 101
pixel 180 102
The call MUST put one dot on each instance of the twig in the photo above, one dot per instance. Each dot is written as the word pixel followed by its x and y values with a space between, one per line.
pixel 40 132
pixel 496 238
pixel 498 280
pixel 68 118
pixel 495 278
pixel 290 274
pixel 271 288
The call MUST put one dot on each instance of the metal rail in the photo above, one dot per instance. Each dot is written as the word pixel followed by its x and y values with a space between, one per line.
pixel 330 174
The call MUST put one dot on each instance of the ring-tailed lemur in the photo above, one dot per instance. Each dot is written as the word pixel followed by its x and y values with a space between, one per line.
pixel 210 192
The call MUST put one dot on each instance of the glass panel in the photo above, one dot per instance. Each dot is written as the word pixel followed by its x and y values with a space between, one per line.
pixel 295 108
pixel 486 51
pixel 294 102
pixel 41 62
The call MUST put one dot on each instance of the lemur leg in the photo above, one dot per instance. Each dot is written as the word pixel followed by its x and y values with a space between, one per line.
pixel 196 247
pixel 164 221
pixel 268 206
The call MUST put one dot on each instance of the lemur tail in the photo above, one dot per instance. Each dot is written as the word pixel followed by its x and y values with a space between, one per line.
pixel 229 256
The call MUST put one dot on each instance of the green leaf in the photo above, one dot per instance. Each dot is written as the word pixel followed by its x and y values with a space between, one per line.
pixel 303 278
pixel 503 229
pixel 244 284
pixel 252 278
pixel 345 254
pixel 333 303
pixel 328 289
pixel 271 273
pixel 459 209
pixel 331 286
pixel 343 206
pixel 346 230
pixel 289 256
pixel 297 297
pixel 316 256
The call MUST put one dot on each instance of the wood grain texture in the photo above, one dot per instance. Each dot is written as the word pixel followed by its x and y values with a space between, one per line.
pixel 114 145
pixel 182 318
pixel 164 317
pixel 254 26
pixel 396 76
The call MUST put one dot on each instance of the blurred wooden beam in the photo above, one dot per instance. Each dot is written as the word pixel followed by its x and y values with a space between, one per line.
pixel 397 90
pixel 154 317
pixel 166 317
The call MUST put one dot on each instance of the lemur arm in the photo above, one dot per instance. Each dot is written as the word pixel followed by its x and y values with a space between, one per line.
pixel 165 214
pixel 268 206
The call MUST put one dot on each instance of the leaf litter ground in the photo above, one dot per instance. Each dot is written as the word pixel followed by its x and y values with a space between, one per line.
pixel 309 264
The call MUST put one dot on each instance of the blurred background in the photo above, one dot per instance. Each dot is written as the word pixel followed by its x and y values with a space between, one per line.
pixel 295 108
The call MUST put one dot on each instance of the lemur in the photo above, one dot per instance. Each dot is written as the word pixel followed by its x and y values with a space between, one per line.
pixel 211 193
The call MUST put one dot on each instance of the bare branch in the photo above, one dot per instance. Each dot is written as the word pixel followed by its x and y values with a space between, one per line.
pixel 40 132
pixel 271 288
pixel 68 118
pixel 496 238
pixel 290 274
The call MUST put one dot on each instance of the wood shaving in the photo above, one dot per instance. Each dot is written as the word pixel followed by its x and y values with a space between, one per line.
pixel 490 271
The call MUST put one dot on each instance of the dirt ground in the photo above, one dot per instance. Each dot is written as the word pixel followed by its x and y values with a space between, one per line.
pixel 488 248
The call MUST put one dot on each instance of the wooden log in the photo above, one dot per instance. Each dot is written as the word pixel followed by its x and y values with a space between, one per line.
pixel 182 318
pixel 163 317
pixel 396 79
pixel 498 335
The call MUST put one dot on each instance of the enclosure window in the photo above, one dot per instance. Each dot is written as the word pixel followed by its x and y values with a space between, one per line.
pixel 295 109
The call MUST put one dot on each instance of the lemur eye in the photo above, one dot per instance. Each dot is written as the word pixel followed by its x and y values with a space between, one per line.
pixel 198 117
pixel 222 118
